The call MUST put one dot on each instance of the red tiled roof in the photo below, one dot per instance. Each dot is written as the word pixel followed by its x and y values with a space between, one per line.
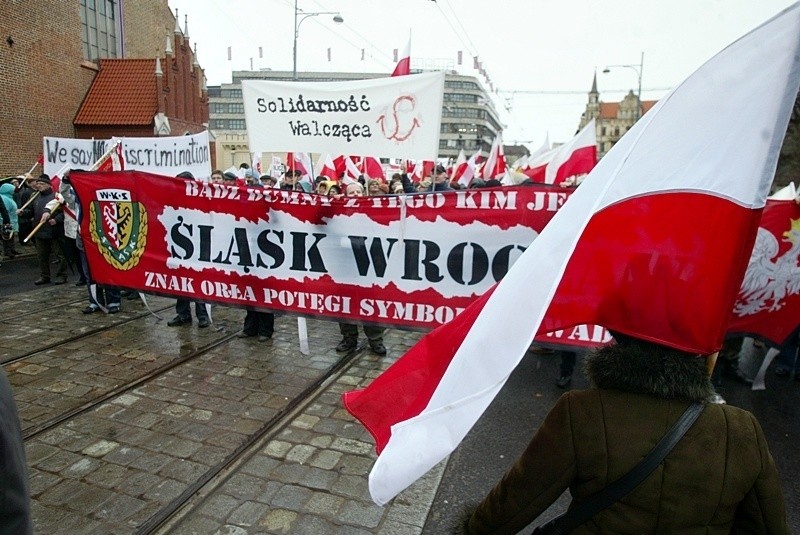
pixel 122 93
pixel 609 110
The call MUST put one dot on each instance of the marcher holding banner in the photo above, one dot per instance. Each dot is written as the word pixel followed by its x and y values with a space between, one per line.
pixel 183 307
pixel 349 330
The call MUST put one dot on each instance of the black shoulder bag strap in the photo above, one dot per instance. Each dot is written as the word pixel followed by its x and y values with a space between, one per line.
pixel 598 501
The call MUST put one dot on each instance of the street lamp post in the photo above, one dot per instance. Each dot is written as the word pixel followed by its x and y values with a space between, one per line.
pixel 638 69
pixel 299 17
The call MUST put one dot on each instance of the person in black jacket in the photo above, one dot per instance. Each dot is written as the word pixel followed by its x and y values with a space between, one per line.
pixel 49 234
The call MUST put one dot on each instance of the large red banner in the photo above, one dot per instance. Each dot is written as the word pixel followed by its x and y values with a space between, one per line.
pixel 410 261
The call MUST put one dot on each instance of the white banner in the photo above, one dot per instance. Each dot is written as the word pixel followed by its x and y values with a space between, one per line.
pixel 161 155
pixel 60 153
pixel 397 117
pixel 169 155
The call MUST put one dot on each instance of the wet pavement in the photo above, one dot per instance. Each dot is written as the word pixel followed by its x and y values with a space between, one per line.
pixel 135 427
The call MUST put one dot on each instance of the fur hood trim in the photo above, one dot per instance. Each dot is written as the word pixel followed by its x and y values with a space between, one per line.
pixel 650 369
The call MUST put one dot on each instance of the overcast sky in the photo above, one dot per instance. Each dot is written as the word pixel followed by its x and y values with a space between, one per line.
pixel 540 55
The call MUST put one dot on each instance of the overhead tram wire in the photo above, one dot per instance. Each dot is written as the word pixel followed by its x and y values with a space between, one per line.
pixel 256 37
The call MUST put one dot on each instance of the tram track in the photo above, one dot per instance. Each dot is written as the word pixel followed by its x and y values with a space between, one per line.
pixel 35 430
pixel 217 474
pixel 135 417
pixel 80 336
pixel 34 312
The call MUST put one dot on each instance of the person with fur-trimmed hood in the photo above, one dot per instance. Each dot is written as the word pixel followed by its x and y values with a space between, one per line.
pixel 719 478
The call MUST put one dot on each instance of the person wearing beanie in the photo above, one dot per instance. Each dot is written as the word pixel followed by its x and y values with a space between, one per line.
pixel 49 249
pixel 719 476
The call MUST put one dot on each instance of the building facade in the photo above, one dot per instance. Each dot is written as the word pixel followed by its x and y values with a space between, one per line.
pixel 613 119
pixel 50 55
pixel 469 120
pixel 170 97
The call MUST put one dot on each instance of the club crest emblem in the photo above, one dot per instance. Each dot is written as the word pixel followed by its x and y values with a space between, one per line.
pixel 119 227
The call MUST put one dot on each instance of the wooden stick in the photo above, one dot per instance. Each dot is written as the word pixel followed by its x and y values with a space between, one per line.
pixel 41 223
pixel 30 200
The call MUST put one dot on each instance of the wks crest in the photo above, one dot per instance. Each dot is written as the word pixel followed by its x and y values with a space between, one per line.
pixel 119 227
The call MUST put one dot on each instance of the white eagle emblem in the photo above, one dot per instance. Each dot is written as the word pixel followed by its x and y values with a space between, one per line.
pixel 767 282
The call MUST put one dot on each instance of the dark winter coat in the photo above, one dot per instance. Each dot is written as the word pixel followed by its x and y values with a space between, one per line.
pixel 37 208
pixel 720 478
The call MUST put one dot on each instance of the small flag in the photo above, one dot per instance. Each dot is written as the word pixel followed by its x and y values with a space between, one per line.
pixel 403 66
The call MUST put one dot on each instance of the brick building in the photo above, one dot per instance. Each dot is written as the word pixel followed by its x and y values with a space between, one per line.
pixel 50 55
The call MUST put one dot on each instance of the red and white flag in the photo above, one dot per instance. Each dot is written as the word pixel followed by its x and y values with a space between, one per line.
pixel 768 304
pixel 577 156
pixel 403 66
pixel 351 169
pixel 256 165
pixel 495 165
pixel 461 161
pixel 466 172
pixel 688 181
pixel 326 167
pixel 300 161
pixel 371 167
pixel 421 169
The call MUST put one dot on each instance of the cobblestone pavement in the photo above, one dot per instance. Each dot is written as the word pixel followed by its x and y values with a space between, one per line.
pixel 311 477
pixel 112 467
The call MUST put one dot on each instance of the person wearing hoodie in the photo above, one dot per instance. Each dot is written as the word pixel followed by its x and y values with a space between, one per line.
pixel 12 228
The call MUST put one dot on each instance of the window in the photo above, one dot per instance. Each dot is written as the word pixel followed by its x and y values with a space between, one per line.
pixel 236 107
pixel 100 27
pixel 461 97
pixel 236 124
pixel 460 85
pixel 218 107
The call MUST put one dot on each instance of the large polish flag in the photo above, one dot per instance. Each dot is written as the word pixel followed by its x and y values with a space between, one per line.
pixel 403 66
pixel 636 248
pixel 577 156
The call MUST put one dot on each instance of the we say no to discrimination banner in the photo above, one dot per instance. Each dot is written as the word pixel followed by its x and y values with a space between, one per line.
pixel 166 156
pixel 408 261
